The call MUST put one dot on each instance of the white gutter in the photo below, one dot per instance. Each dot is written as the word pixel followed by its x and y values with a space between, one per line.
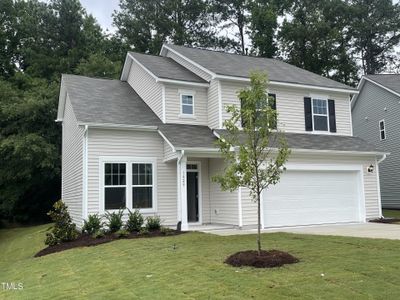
pixel 119 126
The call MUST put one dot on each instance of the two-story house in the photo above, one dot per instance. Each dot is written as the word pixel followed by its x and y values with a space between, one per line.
pixel 147 141
pixel 376 119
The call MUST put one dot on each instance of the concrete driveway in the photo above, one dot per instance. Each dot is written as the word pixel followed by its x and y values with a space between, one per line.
pixel 364 230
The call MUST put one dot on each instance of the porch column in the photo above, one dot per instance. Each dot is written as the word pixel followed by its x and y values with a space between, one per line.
pixel 182 192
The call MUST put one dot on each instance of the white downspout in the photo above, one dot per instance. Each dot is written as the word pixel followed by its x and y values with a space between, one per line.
pixel 85 173
pixel 379 183
pixel 182 181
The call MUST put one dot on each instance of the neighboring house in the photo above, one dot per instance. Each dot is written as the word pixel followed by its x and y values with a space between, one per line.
pixel 376 118
pixel 147 141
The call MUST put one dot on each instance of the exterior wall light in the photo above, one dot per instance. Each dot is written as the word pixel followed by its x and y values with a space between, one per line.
pixel 371 169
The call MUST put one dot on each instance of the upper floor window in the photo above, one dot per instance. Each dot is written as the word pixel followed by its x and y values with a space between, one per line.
pixel 382 130
pixel 320 114
pixel 187 104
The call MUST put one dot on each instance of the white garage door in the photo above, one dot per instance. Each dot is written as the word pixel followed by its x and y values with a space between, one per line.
pixel 312 197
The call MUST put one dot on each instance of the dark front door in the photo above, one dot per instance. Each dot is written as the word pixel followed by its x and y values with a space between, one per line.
pixel 193 196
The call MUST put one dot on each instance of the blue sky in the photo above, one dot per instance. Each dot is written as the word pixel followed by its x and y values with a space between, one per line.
pixel 102 10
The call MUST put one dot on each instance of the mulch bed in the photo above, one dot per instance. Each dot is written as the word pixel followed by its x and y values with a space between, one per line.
pixel 386 220
pixel 267 259
pixel 85 240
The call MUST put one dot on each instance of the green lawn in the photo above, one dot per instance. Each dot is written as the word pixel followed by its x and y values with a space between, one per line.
pixel 391 213
pixel 151 269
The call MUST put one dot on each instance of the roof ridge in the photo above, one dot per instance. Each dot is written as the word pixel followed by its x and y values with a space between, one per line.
pixel 90 77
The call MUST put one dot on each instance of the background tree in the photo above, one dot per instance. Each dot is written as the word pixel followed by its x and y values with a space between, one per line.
pixel 375 29
pixel 259 152
pixel 314 36
pixel 147 24
pixel 39 42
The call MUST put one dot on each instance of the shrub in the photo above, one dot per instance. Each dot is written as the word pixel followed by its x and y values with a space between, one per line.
pixel 93 224
pixel 153 223
pixel 98 234
pixel 63 230
pixel 122 233
pixel 144 231
pixel 135 221
pixel 114 220
pixel 166 231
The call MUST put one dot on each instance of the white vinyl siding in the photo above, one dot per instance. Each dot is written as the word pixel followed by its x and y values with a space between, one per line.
pixel 168 152
pixel 213 104
pixel 127 143
pixel 173 113
pixel 290 106
pixel 189 66
pixel 146 87
pixel 72 164
pixel 223 204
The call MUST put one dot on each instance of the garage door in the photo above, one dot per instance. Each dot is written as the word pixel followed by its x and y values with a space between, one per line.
pixel 312 197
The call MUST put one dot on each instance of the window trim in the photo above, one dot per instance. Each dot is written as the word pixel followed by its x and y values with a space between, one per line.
pixel 129 181
pixel 186 93
pixel 382 130
pixel 115 186
pixel 324 98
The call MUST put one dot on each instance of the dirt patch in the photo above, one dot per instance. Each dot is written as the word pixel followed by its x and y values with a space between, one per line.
pixel 267 259
pixel 85 240
pixel 386 220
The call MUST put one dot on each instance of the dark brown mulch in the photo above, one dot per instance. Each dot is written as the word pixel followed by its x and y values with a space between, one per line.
pixel 267 259
pixel 386 220
pixel 85 240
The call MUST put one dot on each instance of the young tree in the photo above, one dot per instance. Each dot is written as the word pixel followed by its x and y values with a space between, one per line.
pixel 255 152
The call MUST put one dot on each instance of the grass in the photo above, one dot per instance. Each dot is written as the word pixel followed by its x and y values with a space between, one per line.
pixel 352 268
pixel 391 213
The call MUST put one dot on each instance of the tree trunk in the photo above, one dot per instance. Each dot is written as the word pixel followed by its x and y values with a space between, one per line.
pixel 259 224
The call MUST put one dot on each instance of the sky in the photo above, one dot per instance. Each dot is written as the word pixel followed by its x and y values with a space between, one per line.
pixel 102 10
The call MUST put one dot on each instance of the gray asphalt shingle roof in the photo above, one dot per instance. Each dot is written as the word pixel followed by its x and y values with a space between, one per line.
pixel 113 101
pixel 97 100
pixel 391 81
pixel 323 142
pixel 165 67
pixel 222 63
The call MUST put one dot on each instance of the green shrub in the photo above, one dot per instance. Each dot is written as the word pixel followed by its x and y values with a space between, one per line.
pixel 144 231
pixel 98 234
pixel 92 224
pixel 166 231
pixel 153 223
pixel 122 233
pixel 63 230
pixel 114 220
pixel 135 221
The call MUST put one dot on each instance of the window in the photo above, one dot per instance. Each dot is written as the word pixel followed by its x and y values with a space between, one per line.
pixel 320 114
pixel 382 130
pixel 187 104
pixel 271 102
pixel 142 185
pixel 114 185
pixel 128 182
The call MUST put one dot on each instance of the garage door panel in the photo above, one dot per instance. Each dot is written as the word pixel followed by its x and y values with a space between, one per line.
pixel 312 197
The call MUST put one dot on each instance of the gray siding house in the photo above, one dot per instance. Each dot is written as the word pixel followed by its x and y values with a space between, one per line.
pixel 376 119
pixel 147 142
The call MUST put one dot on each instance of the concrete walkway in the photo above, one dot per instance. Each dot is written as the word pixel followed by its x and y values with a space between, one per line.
pixel 365 230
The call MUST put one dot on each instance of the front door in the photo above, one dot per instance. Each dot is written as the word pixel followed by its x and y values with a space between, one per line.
pixel 193 193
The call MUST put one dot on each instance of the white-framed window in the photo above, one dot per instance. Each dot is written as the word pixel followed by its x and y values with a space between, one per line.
pixel 142 185
pixel 320 114
pixel 382 130
pixel 114 185
pixel 187 103
pixel 129 182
